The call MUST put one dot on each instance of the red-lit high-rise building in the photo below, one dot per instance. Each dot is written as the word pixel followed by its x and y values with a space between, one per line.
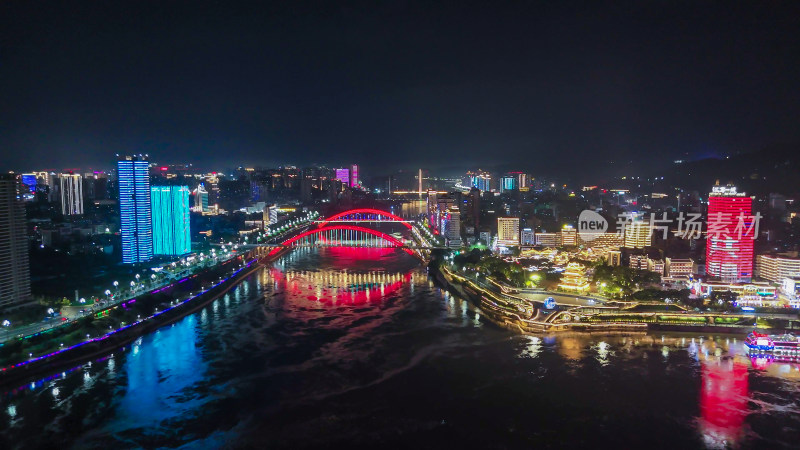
pixel 731 235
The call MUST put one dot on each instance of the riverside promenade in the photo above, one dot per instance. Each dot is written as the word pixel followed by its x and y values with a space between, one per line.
pixel 106 343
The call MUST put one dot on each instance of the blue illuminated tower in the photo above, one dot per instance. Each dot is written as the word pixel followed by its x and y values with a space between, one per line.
pixel 170 206
pixel 136 224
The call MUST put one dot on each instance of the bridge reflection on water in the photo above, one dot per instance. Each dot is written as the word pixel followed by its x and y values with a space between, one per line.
pixel 358 285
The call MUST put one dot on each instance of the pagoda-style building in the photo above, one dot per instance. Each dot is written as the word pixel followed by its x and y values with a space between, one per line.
pixel 574 278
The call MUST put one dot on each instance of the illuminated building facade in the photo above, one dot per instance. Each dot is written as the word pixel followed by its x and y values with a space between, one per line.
pixel 136 227
pixel 170 212
pixel 201 198
pixel 354 175
pixel 655 265
pixel 480 180
pixel 15 278
pixel 614 258
pixel 569 236
pixel 778 267
pixel 677 267
pixel 29 180
pixel 343 175
pixel 637 234
pixel 270 214
pixel 547 239
pixel 527 237
pixel 71 189
pixel 508 183
pixel 452 231
pixel 508 231
pixel 637 262
pixel 729 248
pixel 523 182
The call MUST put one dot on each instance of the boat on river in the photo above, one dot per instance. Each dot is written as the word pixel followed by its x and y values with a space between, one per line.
pixel 786 343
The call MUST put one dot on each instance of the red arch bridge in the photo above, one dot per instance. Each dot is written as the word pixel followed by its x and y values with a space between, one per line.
pixel 364 215
pixel 344 236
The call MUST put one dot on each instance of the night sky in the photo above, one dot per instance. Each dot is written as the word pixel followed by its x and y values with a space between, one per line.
pixel 538 85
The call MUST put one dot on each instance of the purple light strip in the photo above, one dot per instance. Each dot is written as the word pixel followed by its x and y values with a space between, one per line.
pixel 105 336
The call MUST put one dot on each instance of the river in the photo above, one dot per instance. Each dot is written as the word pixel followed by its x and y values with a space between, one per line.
pixel 358 348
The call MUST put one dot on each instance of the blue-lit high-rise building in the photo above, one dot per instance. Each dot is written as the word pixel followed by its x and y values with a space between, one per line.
pixel 170 206
pixel 136 225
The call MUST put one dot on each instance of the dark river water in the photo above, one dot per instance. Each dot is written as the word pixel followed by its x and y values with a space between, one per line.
pixel 357 348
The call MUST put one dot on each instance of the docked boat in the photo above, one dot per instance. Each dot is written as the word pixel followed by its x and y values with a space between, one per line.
pixel 776 343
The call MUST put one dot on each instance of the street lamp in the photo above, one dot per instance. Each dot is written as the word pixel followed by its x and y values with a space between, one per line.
pixel 6 324
pixel 82 300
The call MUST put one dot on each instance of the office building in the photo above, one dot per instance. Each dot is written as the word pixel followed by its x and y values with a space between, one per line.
pixel 170 212
pixel 527 237
pixel 508 231
pixel 777 267
pixel 201 198
pixel 15 278
pixel 452 227
pixel 71 189
pixel 136 222
pixel 729 244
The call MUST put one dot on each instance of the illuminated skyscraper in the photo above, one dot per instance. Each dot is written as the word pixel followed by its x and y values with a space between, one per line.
pixel 170 206
pixel 522 181
pixel 71 188
pixel 481 180
pixel 729 245
pixel 508 183
pixel 452 231
pixel 354 175
pixel 15 278
pixel 136 227
pixel 201 198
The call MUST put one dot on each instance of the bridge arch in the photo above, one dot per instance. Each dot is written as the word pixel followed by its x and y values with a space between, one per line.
pixel 394 242
pixel 365 211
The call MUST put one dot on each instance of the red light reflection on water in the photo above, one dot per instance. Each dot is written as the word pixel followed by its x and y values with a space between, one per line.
pixel 723 401
pixel 341 288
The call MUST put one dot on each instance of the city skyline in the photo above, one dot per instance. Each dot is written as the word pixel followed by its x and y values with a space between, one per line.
pixel 399 224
